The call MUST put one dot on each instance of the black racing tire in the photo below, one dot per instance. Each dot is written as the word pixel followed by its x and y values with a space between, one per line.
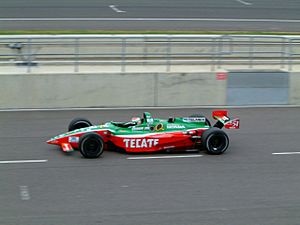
pixel 215 141
pixel 207 122
pixel 78 123
pixel 91 145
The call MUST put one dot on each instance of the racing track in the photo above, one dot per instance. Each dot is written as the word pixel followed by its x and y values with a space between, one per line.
pixel 247 185
pixel 238 15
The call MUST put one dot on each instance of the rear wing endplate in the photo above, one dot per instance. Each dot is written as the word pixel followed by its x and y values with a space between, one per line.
pixel 223 120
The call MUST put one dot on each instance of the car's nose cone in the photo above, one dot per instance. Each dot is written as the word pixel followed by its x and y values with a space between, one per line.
pixel 52 141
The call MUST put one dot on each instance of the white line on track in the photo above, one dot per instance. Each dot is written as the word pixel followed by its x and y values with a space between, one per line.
pixel 164 157
pixel 286 153
pixel 24 161
pixel 115 8
pixel 244 2
pixel 153 19
pixel 24 193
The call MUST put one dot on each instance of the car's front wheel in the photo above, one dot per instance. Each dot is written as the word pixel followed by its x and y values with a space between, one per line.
pixel 91 145
pixel 215 141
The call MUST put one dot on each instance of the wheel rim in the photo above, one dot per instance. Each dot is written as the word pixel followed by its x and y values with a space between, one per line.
pixel 92 146
pixel 217 142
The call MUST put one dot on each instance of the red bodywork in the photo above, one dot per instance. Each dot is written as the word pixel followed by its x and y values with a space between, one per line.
pixel 155 142
pixel 137 143
pixel 145 142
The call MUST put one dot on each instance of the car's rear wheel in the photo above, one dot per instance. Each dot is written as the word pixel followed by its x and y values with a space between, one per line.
pixel 215 141
pixel 78 123
pixel 91 145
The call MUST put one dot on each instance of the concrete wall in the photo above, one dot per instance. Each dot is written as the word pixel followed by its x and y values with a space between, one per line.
pixel 294 88
pixel 258 87
pixel 117 89
pixel 106 90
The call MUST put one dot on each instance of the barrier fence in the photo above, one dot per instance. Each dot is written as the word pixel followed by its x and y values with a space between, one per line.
pixel 164 50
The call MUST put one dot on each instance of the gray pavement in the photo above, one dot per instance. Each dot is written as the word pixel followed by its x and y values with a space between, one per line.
pixel 86 69
pixel 247 185
pixel 134 15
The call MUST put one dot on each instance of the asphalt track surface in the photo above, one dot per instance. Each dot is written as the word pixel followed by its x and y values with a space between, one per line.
pixel 237 15
pixel 247 185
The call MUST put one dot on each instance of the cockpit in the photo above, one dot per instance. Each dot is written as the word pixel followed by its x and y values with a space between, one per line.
pixel 146 119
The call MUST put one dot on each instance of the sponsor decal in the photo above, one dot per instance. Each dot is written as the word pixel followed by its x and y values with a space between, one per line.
pixel 150 120
pixel 225 118
pixel 193 119
pixel 175 126
pixel 233 124
pixel 140 128
pixel 140 142
pixel 74 139
pixel 159 127
pixel 221 76
pixel 137 128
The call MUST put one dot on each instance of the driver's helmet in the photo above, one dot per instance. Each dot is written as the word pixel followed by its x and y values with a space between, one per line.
pixel 136 120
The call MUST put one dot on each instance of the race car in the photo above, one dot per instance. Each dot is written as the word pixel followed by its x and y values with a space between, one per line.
pixel 148 134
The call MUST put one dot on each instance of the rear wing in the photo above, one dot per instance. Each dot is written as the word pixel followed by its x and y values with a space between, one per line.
pixel 224 121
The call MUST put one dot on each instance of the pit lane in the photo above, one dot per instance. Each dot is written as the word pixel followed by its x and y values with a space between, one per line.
pixel 246 185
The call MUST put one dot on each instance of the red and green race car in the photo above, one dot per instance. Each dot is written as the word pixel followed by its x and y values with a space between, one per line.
pixel 148 134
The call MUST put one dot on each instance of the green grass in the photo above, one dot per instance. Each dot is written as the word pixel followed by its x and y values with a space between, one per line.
pixel 56 32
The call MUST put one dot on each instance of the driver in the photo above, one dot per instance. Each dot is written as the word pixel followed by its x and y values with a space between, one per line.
pixel 136 120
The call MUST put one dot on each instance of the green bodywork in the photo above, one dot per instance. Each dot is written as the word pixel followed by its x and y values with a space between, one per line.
pixel 156 125
pixel 148 124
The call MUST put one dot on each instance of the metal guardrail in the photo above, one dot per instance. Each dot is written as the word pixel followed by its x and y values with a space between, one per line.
pixel 166 50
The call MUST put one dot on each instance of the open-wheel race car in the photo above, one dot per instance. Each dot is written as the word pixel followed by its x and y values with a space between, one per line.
pixel 148 134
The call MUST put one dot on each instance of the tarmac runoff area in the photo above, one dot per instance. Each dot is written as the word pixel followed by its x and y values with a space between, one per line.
pixel 254 182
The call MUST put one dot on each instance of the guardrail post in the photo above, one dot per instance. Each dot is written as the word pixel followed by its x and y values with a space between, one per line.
pixel 214 53
pixel 283 52
pixel 168 54
pixel 155 90
pixel 251 53
pixel 290 55
pixel 123 66
pixel 29 56
pixel 145 50
pixel 220 47
pixel 76 54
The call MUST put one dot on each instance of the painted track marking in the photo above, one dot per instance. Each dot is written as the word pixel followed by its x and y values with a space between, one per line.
pixel 24 193
pixel 286 153
pixel 164 157
pixel 244 2
pixel 115 8
pixel 24 161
